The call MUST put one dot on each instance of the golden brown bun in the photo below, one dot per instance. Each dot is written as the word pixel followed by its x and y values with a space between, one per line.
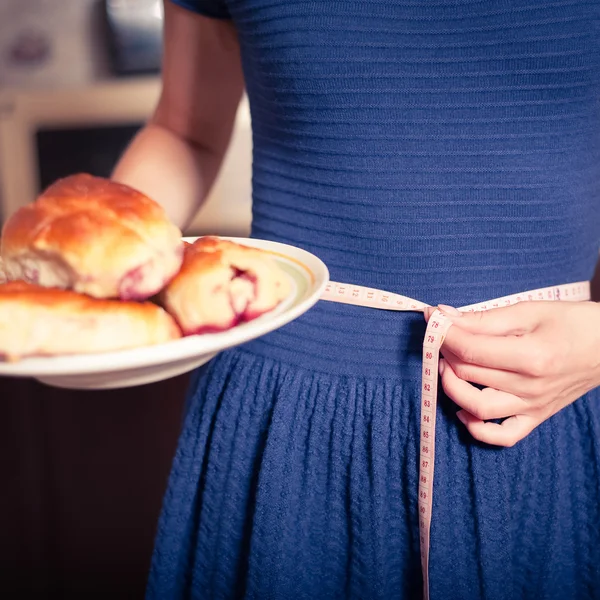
pixel 40 321
pixel 2 272
pixel 221 284
pixel 94 236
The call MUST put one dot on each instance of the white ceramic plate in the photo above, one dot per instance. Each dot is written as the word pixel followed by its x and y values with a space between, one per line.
pixel 126 368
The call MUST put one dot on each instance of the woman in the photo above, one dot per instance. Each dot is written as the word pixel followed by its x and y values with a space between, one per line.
pixel 448 151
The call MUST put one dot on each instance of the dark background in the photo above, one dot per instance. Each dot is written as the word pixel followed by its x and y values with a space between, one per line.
pixel 82 476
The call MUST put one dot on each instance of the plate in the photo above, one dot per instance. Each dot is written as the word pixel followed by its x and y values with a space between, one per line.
pixel 148 364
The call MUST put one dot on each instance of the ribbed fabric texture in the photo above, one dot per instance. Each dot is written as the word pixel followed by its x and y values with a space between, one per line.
pixel 449 151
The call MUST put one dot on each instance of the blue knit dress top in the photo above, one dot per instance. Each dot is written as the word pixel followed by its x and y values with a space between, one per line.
pixel 447 150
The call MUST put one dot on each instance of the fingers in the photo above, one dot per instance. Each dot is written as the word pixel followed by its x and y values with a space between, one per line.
pixel 483 404
pixel 509 353
pixel 517 384
pixel 480 406
pixel 503 349
pixel 506 434
pixel 494 338
pixel 516 319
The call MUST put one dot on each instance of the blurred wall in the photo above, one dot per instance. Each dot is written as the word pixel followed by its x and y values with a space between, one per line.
pixel 51 43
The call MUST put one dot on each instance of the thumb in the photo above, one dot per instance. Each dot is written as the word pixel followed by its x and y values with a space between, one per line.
pixel 517 319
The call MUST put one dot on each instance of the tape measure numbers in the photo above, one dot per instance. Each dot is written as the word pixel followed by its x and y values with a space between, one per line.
pixel 437 327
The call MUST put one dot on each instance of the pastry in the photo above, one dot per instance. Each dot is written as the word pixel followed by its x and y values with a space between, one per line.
pixel 221 284
pixel 41 321
pixel 93 236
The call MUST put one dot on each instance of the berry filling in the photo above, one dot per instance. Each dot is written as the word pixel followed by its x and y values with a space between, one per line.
pixel 134 284
pixel 241 293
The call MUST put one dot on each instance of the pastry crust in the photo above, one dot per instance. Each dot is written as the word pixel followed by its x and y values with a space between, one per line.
pixel 93 236
pixel 222 284
pixel 40 321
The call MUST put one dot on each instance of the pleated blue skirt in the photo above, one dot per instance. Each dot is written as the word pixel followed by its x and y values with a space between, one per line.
pixel 293 483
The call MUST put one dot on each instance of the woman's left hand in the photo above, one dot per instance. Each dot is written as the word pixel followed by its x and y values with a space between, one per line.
pixel 534 358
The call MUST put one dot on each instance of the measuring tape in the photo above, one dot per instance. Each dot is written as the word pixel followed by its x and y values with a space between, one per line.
pixel 437 327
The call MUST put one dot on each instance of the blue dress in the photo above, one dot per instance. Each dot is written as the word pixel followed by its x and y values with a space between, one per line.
pixel 448 150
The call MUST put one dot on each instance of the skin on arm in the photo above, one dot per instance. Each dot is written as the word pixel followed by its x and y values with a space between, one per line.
pixel 176 157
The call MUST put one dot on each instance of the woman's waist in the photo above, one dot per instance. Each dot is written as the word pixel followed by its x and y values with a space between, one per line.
pixel 345 339
pixel 348 340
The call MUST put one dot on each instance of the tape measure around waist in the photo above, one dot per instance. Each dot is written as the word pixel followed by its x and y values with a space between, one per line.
pixel 437 327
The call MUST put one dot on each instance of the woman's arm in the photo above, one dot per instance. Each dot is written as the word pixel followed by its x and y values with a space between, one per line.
pixel 175 158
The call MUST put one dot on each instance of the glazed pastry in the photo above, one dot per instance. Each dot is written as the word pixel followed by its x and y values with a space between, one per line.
pixel 222 284
pixel 40 321
pixel 93 236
